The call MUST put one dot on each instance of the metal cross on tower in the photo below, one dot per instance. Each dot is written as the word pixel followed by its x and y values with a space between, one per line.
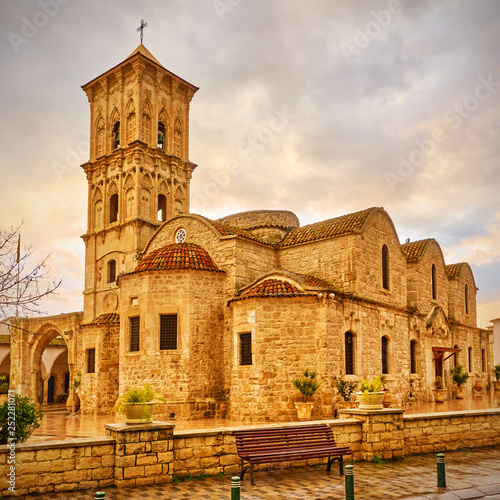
pixel 141 28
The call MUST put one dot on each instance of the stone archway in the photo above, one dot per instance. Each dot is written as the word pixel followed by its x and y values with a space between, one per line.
pixel 49 345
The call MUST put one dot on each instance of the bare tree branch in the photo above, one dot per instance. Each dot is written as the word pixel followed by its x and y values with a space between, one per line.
pixel 22 284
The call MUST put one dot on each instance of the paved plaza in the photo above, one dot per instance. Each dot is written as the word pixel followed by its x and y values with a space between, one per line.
pixel 469 474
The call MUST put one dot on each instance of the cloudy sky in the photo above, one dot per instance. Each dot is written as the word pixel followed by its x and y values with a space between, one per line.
pixel 321 107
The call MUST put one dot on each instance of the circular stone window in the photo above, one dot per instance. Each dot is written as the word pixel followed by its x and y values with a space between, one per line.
pixel 180 235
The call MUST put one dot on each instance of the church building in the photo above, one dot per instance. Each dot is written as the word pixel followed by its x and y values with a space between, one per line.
pixel 220 316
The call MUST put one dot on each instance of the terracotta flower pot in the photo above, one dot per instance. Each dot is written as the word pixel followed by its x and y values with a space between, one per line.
pixel 304 410
pixel 69 403
pixel 496 385
pixel 371 400
pixel 460 392
pixel 387 398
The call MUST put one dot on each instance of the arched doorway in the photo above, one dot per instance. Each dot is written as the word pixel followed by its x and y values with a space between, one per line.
pixel 50 364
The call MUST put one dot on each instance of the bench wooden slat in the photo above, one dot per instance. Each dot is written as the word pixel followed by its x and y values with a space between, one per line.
pixel 288 443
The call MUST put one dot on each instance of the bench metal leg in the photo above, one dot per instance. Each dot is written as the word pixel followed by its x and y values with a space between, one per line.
pixel 248 467
pixel 340 460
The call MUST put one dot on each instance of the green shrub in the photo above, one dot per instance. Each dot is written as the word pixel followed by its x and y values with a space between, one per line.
pixel 21 412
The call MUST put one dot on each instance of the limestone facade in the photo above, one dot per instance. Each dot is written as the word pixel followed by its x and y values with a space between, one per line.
pixel 220 316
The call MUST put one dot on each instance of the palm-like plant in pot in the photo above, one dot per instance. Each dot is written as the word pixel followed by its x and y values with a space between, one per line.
pixel 496 383
pixel 307 386
pixel 460 377
pixel 138 405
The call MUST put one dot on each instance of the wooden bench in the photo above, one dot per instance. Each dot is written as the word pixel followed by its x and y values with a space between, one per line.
pixel 288 443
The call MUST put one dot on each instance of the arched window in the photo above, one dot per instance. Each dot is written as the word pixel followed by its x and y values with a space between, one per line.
pixel 434 282
pixel 349 353
pixel 385 355
pixel 385 267
pixel 115 136
pixel 161 135
pixel 413 356
pixel 111 271
pixel 113 208
pixel 162 207
pixel 470 359
pixel 466 299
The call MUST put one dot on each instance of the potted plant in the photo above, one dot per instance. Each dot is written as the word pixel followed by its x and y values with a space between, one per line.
pixel 387 393
pixel 73 396
pixel 370 396
pixel 345 390
pixel 439 390
pixel 478 386
pixel 138 405
pixel 460 378
pixel 307 386
pixel 496 383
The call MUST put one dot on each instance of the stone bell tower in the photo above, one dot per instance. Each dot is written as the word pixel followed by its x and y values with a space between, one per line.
pixel 138 172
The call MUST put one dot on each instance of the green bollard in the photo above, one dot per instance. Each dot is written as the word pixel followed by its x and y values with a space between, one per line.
pixel 441 471
pixel 235 488
pixel 349 482
pixel 100 495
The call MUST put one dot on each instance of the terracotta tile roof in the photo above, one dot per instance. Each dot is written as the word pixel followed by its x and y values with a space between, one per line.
pixel 178 256
pixel 345 224
pixel 272 288
pixel 313 281
pixel 455 270
pixel 415 250
pixel 226 230
pixel 105 319
pixel 57 341
pixel 4 339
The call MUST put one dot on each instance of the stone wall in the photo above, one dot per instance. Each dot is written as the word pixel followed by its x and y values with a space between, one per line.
pixel 447 431
pixel 98 391
pixel 60 465
pixel 152 454
pixel 190 377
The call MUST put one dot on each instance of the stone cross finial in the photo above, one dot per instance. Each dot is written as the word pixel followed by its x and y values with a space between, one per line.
pixel 141 28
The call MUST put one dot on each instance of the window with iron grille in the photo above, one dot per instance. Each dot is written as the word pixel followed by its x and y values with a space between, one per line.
pixel 385 355
pixel 385 267
pixel 168 332
pixel 91 361
pixel 245 349
pixel 349 353
pixel 135 330
pixel 413 356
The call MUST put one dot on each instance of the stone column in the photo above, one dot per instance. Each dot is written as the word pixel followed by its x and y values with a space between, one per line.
pixel 45 382
pixel 381 433
pixel 144 453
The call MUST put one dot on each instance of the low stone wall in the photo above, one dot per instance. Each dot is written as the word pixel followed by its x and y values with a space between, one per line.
pixel 152 454
pixel 447 431
pixel 58 466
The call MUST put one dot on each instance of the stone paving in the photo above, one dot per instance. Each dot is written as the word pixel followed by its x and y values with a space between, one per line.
pixel 469 474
